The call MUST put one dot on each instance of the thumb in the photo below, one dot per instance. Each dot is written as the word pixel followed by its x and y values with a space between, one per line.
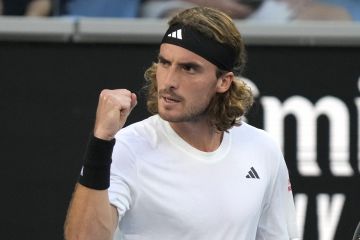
pixel 126 111
pixel 133 101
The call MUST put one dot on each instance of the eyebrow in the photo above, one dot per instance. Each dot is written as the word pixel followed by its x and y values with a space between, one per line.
pixel 162 59
pixel 192 64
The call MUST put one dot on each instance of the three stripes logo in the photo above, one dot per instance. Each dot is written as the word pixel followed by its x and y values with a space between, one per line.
pixel 252 173
pixel 176 34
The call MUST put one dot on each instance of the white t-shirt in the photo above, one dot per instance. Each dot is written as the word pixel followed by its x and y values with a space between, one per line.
pixel 166 189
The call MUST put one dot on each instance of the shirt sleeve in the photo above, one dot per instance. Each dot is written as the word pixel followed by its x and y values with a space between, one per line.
pixel 123 177
pixel 278 219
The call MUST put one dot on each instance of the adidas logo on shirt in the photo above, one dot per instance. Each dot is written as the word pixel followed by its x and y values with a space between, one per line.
pixel 252 173
pixel 176 34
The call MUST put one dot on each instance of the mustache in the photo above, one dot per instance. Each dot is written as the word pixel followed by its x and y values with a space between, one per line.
pixel 168 93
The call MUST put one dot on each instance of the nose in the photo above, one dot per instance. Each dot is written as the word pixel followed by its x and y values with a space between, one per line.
pixel 171 77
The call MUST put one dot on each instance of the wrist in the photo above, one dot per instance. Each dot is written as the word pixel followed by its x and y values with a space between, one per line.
pixel 102 135
pixel 95 173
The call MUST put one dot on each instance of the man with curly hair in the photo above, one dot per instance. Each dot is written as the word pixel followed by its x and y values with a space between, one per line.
pixel 193 170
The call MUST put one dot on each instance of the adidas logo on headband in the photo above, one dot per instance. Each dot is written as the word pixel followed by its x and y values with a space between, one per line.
pixel 220 54
pixel 176 34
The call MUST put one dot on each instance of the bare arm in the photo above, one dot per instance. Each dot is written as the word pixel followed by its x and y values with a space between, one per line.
pixel 90 215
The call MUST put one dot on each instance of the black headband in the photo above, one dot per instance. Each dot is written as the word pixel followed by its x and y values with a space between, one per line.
pixel 221 55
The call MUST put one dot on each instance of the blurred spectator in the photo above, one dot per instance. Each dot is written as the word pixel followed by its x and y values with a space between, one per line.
pixel 100 8
pixel 254 10
pixel 274 11
pixel 316 10
pixel 352 6
pixel 239 9
pixel 288 10
pixel 26 7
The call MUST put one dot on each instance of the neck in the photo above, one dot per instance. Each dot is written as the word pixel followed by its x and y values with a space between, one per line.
pixel 200 134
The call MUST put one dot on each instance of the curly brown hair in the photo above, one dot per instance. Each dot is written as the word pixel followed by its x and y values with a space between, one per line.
pixel 225 109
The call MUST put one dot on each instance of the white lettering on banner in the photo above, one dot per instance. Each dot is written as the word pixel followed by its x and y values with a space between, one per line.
pixel 328 206
pixel 301 201
pixel 328 211
pixel 357 103
pixel 306 115
pixel 274 113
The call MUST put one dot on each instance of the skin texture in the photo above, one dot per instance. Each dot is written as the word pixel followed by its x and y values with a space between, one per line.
pixel 113 109
pixel 186 83
pixel 181 75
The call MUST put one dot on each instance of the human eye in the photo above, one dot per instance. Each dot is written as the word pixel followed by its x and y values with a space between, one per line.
pixel 190 68
pixel 162 61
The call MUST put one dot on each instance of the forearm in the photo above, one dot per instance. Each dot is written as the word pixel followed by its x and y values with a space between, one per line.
pixel 90 215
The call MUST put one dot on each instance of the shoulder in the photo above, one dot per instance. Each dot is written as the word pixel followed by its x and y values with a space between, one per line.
pixel 140 127
pixel 251 134
pixel 137 138
pixel 263 150
pixel 255 141
pixel 142 131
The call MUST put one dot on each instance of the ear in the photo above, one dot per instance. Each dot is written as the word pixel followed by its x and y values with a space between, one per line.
pixel 224 82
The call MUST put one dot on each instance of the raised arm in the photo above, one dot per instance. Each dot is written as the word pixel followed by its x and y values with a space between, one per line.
pixel 90 215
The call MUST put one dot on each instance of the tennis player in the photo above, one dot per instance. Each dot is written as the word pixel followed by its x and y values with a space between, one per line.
pixel 193 170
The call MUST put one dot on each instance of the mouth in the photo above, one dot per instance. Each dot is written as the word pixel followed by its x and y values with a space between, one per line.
pixel 169 99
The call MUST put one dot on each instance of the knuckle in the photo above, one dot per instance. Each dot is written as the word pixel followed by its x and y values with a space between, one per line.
pixel 125 92
pixel 105 94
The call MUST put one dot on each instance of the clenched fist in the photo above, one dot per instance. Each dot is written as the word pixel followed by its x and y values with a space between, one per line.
pixel 113 109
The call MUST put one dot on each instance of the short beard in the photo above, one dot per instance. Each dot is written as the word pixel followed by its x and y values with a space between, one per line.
pixel 194 114
pixel 191 116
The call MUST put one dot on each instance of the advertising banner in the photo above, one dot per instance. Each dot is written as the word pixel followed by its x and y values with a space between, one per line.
pixel 307 98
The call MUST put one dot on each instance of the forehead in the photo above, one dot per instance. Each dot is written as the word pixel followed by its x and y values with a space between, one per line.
pixel 176 53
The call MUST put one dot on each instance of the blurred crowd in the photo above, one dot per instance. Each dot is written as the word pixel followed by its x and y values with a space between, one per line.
pixel 252 10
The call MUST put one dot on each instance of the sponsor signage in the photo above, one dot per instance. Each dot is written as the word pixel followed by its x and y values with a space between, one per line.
pixel 308 99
